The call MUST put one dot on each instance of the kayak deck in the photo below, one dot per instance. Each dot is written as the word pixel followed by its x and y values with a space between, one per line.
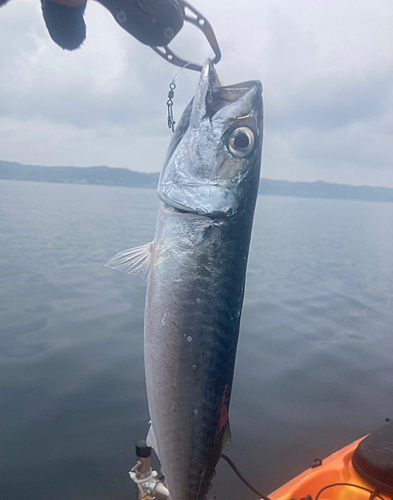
pixel 337 468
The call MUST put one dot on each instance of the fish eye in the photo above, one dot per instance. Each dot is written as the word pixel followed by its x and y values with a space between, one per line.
pixel 241 142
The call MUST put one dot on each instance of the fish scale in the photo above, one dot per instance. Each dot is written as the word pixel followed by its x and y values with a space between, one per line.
pixel 196 267
pixel 203 334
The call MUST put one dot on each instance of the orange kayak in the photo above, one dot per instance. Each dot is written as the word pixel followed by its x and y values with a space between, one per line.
pixel 353 473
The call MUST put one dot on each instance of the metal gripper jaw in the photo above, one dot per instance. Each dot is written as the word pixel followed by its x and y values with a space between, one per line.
pixel 157 22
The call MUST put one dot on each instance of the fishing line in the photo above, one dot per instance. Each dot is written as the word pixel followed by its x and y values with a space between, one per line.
pixel 237 472
pixel 350 332
pixel 373 494
pixel 169 103
pixel 369 307
pixel 301 334
pixel 172 86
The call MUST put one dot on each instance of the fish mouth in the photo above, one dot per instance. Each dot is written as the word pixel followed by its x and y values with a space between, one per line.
pixel 201 174
pixel 211 97
pixel 226 95
pixel 220 95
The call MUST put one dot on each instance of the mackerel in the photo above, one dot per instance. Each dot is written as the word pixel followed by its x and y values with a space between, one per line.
pixel 195 268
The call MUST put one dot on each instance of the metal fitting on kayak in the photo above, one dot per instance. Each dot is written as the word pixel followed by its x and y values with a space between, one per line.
pixel 149 486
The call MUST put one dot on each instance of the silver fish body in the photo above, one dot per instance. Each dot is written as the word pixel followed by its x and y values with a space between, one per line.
pixel 196 269
pixel 196 279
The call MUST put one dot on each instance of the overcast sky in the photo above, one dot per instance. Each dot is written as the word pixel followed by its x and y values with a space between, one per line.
pixel 326 67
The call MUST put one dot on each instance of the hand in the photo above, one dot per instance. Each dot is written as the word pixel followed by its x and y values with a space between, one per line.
pixel 64 21
pixel 152 22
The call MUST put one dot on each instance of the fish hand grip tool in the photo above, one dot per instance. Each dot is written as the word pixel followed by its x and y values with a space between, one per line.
pixel 157 22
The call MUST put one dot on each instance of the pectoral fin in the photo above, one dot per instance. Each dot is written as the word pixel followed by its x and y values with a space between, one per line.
pixel 133 261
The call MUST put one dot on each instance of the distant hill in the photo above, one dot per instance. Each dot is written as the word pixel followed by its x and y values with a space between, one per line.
pixel 124 177
pixel 77 175
pixel 322 189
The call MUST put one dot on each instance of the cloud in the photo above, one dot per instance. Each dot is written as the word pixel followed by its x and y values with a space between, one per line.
pixel 325 68
pixel 86 146
pixel 102 104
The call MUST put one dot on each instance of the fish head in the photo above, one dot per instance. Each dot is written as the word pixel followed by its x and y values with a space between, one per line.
pixel 213 162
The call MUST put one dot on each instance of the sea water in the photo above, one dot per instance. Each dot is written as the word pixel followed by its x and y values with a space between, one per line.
pixel 314 367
